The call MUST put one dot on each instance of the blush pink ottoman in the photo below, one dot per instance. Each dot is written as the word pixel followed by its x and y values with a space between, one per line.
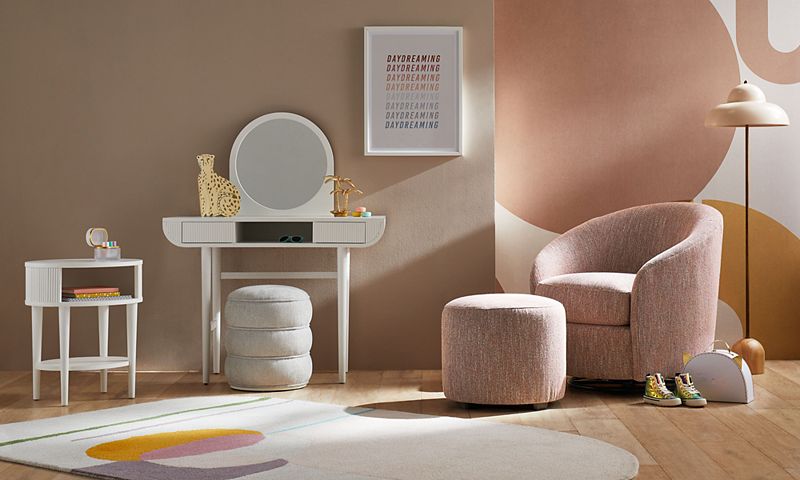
pixel 504 349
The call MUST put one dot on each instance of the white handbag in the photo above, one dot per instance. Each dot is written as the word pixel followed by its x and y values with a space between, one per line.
pixel 721 375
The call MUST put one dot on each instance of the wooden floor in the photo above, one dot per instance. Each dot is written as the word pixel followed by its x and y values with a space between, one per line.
pixel 721 441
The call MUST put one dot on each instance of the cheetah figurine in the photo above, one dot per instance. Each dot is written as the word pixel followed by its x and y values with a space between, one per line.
pixel 218 196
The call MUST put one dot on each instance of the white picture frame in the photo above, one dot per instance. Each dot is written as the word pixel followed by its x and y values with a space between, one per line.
pixel 413 91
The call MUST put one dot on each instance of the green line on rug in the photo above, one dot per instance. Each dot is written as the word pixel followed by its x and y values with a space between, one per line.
pixel 173 422
pixel 305 425
pixel 97 427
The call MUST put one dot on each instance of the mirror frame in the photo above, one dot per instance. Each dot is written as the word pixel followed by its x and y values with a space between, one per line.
pixel 320 204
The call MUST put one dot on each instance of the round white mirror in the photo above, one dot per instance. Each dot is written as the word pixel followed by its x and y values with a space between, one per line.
pixel 279 162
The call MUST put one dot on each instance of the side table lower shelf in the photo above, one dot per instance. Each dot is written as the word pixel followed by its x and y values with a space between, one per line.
pixel 101 363
pixel 84 364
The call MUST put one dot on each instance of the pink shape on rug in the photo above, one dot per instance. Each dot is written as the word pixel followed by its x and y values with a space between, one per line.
pixel 206 445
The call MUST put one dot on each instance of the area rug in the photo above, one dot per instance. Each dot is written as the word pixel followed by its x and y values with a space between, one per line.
pixel 257 437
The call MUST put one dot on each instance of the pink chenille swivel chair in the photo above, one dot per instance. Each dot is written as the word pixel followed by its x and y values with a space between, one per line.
pixel 639 287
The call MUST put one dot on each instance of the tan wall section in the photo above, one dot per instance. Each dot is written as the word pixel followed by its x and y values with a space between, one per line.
pixel 774 283
pixel 106 104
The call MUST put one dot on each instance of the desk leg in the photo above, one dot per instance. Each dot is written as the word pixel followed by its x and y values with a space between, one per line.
pixel 36 334
pixel 63 352
pixel 343 284
pixel 102 333
pixel 216 267
pixel 131 317
pixel 205 308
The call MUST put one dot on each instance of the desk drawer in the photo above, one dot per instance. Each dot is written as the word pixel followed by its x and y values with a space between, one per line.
pixel 340 232
pixel 208 232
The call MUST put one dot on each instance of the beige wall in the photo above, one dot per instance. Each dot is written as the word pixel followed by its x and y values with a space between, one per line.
pixel 105 105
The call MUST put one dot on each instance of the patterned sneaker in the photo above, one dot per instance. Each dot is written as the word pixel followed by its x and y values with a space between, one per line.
pixel 657 393
pixel 686 391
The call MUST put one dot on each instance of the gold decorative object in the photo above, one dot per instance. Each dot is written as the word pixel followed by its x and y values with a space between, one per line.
pixel 218 196
pixel 343 187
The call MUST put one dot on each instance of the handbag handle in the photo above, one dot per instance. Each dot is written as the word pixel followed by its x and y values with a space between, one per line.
pixel 717 341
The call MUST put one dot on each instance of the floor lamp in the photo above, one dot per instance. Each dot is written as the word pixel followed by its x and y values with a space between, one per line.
pixel 747 107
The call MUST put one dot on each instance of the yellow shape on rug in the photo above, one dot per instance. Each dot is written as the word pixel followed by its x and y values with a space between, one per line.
pixel 131 449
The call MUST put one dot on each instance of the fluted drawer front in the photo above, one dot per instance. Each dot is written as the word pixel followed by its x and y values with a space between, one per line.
pixel 42 285
pixel 340 232
pixel 211 232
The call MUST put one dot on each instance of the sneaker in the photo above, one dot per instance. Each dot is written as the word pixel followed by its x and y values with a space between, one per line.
pixel 657 393
pixel 686 391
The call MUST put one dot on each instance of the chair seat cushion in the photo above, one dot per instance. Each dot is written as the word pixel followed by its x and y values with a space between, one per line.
pixel 593 298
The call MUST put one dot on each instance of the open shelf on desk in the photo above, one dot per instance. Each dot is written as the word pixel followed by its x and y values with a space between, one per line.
pixel 271 232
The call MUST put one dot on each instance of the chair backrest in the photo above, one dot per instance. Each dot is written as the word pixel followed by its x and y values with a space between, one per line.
pixel 625 240
pixel 636 235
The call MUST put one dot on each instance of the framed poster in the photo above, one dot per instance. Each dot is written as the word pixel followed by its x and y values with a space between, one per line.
pixel 412 91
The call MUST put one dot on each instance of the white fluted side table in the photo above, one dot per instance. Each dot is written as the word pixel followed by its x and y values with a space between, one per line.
pixel 43 284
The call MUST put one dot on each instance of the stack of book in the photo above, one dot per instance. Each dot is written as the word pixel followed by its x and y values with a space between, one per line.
pixel 84 294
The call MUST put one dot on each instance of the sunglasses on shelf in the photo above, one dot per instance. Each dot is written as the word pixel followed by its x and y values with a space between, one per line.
pixel 291 239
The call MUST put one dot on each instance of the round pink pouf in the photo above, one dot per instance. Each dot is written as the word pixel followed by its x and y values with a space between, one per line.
pixel 504 349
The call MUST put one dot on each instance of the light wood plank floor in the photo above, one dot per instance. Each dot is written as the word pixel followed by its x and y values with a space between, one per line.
pixel 722 441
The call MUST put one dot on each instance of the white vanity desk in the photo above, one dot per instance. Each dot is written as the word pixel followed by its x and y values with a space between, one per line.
pixel 279 163
pixel 212 234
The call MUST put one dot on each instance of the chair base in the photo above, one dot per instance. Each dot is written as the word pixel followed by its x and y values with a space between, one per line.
pixel 610 386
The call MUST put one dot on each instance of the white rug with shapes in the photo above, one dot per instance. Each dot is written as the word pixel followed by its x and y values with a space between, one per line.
pixel 256 437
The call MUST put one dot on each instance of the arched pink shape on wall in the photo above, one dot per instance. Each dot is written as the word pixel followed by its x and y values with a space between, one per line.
pixel 752 37
pixel 600 107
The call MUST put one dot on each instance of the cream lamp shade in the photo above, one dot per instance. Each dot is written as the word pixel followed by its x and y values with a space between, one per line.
pixel 746 107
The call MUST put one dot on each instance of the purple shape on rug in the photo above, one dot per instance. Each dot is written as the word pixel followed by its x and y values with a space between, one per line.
pixel 206 445
pixel 155 471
